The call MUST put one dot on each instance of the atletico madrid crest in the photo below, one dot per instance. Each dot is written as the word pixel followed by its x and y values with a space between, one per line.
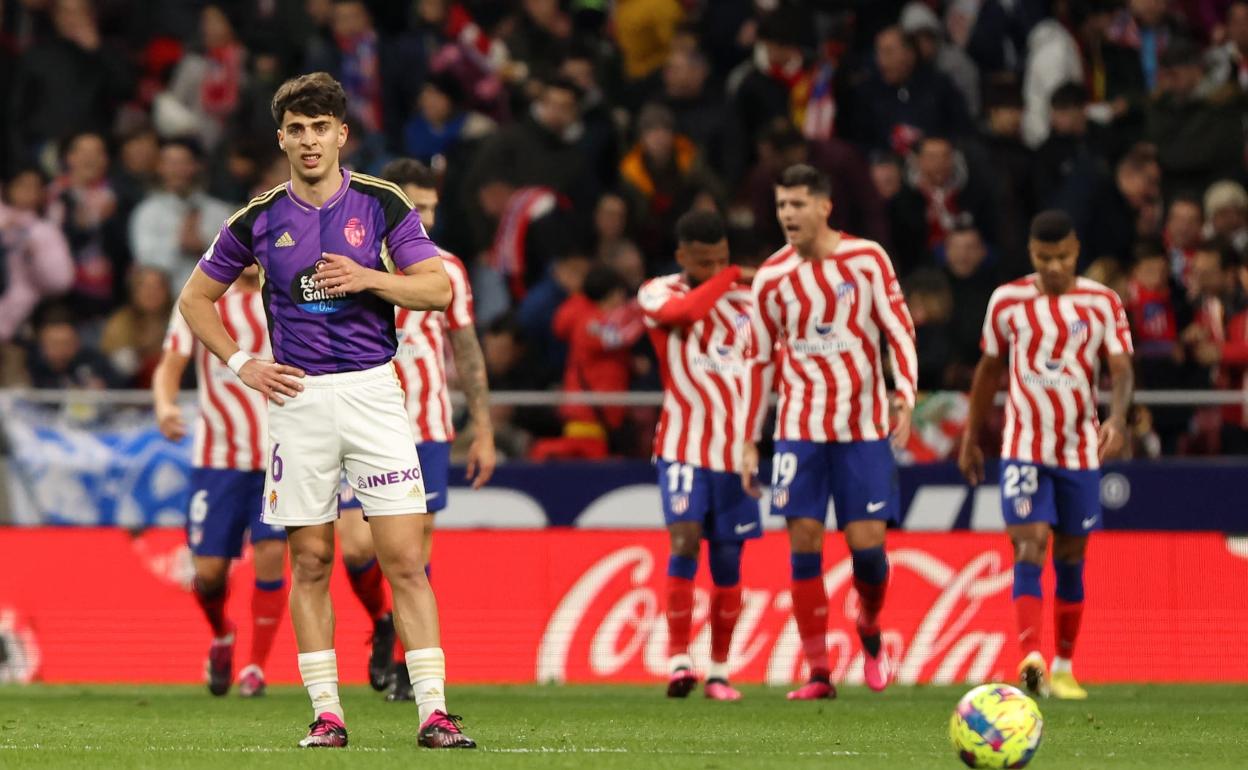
pixel 680 504
pixel 1022 507
pixel 780 497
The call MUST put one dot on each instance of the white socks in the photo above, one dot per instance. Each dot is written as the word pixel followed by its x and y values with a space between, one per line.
pixel 320 676
pixel 718 671
pixel 677 662
pixel 427 670
pixel 1061 666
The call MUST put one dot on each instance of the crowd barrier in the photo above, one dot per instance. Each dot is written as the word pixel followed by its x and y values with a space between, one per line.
pixel 561 605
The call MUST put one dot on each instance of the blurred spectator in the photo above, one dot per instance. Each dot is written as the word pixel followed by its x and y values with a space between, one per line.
pixel 73 82
pixel 1011 168
pixel 939 174
pixel 1233 370
pixel 135 174
pixel 35 264
pixel 539 34
pixel 61 360
pixel 1106 209
pixel 507 367
pixel 133 336
pixel 600 326
pixel 535 316
pixel 1226 215
pixel 1053 60
pixel 1073 156
pixel 1143 29
pixel 206 86
pixel 643 32
pixel 441 121
pixel 971 282
pixel 1182 234
pixel 700 113
pixel 931 305
pixel 907 223
pixel 530 227
pixel 1228 62
pixel 1208 292
pixel 82 203
pixel 662 174
pixel 1150 304
pixel 611 227
pixel 993 32
pixel 26 191
pixel 1197 137
pixel 857 207
pixel 171 228
pixel 920 22
pixel 904 99
pixel 601 142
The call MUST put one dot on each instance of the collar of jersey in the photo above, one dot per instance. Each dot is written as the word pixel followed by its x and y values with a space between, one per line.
pixel 329 204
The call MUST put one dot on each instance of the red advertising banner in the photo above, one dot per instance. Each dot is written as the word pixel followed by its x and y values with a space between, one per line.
pixel 586 606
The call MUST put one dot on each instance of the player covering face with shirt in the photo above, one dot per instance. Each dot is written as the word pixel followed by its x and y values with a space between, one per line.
pixel 338 252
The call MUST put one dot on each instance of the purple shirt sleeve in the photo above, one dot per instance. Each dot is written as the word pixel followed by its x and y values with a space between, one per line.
pixel 226 258
pixel 409 243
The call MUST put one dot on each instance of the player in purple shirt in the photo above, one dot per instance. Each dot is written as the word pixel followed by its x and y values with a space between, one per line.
pixel 337 252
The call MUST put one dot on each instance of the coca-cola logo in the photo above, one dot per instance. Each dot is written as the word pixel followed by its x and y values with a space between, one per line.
pixel 610 623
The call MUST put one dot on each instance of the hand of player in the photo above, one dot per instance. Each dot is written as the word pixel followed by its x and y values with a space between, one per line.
pixel 1111 438
pixel 272 379
pixel 747 273
pixel 481 459
pixel 169 419
pixel 337 274
pixel 901 423
pixel 971 461
pixel 749 469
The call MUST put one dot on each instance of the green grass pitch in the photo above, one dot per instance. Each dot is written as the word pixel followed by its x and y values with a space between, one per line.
pixel 606 727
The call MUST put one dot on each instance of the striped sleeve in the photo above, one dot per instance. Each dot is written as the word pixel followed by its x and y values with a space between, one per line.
pixel 893 316
pixel 993 341
pixel 178 338
pixel 652 296
pixel 1118 336
pixel 459 315
pixel 765 321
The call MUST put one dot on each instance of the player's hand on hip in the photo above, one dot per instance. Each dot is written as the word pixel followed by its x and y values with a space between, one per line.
pixel 901 423
pixel 971 461
pixel 276 381
pixel 169 419
pixel 481 459
pixel 749 469
pixel 1111 439
pixel 338 274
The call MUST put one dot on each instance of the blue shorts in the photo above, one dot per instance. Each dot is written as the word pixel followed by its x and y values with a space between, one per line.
pixel 860 477
pixel 1069 501
pixel 713 499
pixel 435 468
pixel 224 505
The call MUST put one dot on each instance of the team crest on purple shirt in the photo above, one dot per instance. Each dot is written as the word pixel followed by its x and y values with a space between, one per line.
pixel 354 232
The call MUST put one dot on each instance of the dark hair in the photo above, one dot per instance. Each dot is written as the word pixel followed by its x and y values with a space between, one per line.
pixel 313 94
pixel 1068 96
pixel 781 134
pixel 802 175
pixel 448 84
pixel 1148 248
pixel 962 226
pixel 186 143
pixel 601 281
pixel 1227 256
pixel 564 84
pixel 403 171
pixel 700 226
pixel 69 141
pixel 1187 197
pixel 1051 226
pixel 1140 156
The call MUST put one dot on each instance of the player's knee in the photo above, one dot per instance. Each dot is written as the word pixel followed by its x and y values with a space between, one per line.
pixel 1030 549
pixel 805 536
pixel 686 545
pixel 356 556
pixel 311 566
pixel 210 574
pixel 725 559
pixel 406 574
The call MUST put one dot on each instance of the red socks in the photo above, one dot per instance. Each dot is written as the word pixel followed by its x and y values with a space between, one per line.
pixel 268 604
pixel 810 609
pixel 1028 610
pixel 725 609
pixel 367 584
pixel 213 605
pixel 679 614
pixel 1067 616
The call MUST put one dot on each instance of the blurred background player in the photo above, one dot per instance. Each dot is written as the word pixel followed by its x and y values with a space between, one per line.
pixel 1054 326
pixel 821 306
pixel 421 366
pixel 339 251
pixel 227 481
pixel 699 323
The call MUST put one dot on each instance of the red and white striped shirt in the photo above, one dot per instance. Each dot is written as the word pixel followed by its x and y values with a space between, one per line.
pixel 701 336
pixel 421 357
pixel 821 322
pixel 1055 343
pixel 231 431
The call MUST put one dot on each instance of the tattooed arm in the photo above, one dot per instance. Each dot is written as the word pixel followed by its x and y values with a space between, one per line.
pixel 470 364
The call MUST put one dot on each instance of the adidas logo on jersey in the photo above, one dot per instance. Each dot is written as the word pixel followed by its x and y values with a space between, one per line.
pixel 284 241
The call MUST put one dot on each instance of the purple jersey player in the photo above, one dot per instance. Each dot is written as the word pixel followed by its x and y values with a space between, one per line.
pixel 337 252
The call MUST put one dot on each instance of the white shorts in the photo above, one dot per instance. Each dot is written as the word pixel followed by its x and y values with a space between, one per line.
pixel 350 421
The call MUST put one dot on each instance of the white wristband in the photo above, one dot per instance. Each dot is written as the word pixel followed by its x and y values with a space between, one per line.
pixel 238 361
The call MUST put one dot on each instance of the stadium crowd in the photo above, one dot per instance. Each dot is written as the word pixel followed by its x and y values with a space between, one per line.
pixel 569 135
